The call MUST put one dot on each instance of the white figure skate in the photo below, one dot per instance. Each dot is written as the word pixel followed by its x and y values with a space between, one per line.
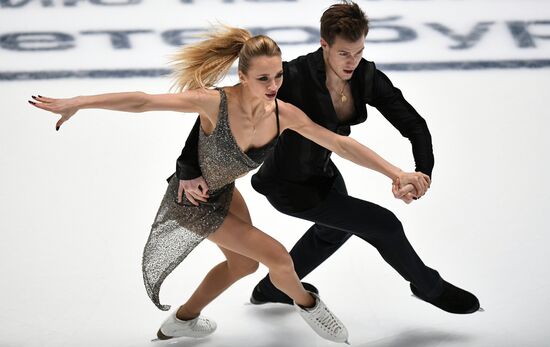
pixel 323 321
pixel 196 327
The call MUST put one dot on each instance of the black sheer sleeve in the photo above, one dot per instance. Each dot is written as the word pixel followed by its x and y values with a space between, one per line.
pixel 187 165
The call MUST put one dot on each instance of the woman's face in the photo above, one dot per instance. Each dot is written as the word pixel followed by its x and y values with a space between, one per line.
pixel 264 77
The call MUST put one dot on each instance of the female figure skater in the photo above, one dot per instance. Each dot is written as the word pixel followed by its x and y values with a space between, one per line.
pixel 239 126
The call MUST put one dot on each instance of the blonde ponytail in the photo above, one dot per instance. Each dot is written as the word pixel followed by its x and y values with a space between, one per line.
pixel 203 64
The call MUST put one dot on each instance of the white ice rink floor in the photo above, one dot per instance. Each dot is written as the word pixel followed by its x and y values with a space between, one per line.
pixel 76 205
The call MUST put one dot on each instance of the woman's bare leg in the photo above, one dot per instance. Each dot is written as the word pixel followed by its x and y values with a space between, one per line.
pixel 237 265
pixel 238 235
pixel 221 277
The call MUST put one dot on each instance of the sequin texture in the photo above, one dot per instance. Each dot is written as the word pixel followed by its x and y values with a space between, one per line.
pixel 179 228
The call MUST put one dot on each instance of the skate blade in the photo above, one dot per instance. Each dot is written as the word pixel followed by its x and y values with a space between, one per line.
pixel 248 303
pixel 161 337
pixel 257 302
pixel 480 309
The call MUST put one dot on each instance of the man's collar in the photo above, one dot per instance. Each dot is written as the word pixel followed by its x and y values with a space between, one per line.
pixel 319 60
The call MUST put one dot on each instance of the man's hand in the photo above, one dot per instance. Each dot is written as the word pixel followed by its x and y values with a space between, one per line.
pixel 420 181
pixel 195 189
pixel 405 193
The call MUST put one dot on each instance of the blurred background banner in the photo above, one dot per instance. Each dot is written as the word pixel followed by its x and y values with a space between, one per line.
pixel 125 38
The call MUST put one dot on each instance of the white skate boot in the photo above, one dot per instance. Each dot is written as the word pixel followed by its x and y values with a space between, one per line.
pixel 196 327
pixel 324 322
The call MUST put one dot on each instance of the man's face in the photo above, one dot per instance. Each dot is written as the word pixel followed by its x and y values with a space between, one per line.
pixel 343 56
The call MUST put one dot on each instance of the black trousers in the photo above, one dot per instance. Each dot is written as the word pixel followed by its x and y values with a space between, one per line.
pixel 337 218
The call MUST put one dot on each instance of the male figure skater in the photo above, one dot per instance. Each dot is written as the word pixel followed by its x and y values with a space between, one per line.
pixel 332 86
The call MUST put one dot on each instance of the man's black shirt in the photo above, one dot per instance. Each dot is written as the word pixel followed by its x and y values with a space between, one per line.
pixel 299 173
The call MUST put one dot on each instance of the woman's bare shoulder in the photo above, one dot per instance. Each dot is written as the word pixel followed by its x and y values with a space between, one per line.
pixel 290 115
pixel 202 94
pixel 285 108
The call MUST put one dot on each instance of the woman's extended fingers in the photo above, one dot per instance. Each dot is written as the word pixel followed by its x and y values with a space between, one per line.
pixel 64 107
pixel 44 99
pixel 43 103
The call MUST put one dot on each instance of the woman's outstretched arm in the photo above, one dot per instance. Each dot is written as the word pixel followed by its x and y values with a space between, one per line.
pixel 346 147
pixel 188 101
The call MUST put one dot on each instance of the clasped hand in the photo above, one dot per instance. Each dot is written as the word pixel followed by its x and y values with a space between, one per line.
pixel 410 186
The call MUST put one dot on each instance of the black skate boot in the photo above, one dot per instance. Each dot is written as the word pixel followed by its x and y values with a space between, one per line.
pixel 452 299
pixel 259 298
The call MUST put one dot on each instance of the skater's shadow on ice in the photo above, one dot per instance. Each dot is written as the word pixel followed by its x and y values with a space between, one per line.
pixel 272 311
pixel 418 338
pixel 183 342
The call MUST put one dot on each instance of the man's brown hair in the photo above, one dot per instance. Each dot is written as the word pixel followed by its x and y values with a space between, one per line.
pixel 346 20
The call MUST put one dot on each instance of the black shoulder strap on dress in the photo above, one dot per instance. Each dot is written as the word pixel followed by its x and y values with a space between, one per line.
pixel 277 115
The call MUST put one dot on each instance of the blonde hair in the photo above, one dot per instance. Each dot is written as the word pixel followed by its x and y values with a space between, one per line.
pixel 203 64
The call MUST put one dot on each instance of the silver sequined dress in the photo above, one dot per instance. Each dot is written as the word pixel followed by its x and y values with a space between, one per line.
pixel 179 228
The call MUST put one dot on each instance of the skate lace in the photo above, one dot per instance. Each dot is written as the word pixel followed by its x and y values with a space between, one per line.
pixel 202 325
pixel 329 322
